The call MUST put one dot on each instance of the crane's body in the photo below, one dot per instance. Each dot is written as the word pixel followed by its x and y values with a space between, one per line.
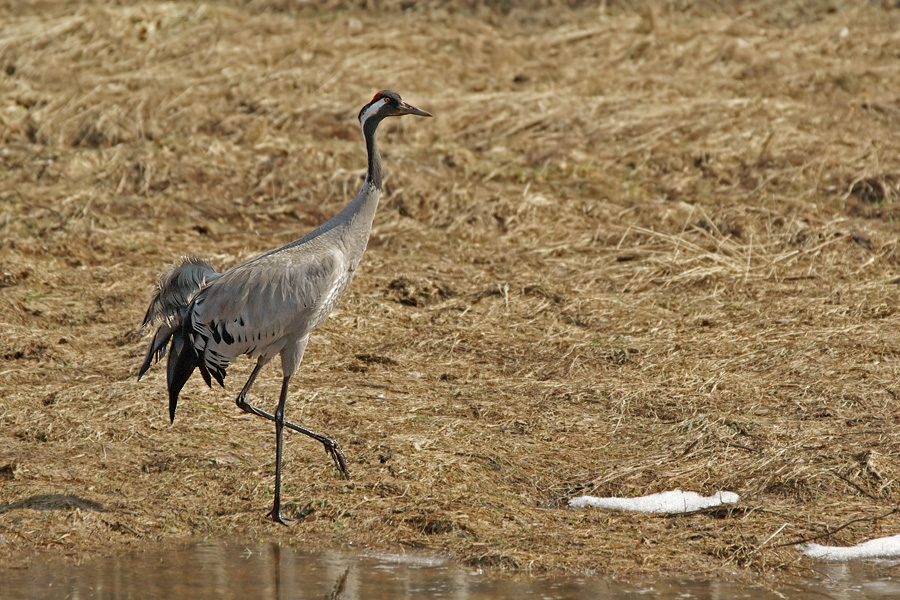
pixel 269 305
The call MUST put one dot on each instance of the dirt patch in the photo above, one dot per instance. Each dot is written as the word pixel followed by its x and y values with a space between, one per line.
pixel 636 250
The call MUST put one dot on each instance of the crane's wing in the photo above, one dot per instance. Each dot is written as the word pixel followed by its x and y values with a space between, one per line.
pixel 256 307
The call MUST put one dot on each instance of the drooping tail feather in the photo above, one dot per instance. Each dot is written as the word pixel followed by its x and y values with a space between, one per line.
pixel 174 353
pixel 181 364
pixel 157 347
pixel 175 289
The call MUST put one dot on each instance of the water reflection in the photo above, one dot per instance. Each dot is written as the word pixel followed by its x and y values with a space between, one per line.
pixel 273 572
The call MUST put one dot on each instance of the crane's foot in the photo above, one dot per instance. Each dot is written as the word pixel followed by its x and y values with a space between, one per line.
pixel 275 515
pixel 337 455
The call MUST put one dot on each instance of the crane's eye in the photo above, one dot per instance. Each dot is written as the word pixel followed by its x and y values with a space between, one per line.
pixel 386 99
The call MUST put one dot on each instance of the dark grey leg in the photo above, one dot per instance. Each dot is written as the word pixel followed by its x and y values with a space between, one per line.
pixel 279 427
pixel 331 446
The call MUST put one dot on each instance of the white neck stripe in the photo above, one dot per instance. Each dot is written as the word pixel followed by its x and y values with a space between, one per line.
pixel 369 112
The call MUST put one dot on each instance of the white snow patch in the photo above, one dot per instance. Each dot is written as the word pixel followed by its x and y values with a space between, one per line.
pixel 675 501
pixel 880 548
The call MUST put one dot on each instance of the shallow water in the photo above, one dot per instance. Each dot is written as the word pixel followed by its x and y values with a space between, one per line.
pixel 271 572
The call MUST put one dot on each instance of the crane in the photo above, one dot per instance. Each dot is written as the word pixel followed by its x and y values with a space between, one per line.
pixel 268 305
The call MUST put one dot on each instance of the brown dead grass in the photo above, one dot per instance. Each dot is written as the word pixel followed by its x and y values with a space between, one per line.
pixel 641 247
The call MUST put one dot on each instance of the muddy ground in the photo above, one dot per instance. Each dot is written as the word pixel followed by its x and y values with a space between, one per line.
pixel 640 247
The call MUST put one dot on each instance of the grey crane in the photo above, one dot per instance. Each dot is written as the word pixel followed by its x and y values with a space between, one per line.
pixel 268 305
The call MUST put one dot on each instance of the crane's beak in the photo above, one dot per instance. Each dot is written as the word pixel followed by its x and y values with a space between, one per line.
pixel 408 109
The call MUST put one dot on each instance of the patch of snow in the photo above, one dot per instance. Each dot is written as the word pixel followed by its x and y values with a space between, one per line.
pixel 675 501
pixel 880 548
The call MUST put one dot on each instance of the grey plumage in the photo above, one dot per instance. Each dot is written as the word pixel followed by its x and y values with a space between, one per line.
pixel 175 289
pixel 269 305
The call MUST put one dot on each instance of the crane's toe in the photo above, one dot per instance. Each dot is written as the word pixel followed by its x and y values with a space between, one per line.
pixel 337 455
pixel 275 514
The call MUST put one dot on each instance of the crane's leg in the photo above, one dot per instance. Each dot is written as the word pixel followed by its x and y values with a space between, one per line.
pixel 242 397
pixel 279 427
pixel 331 446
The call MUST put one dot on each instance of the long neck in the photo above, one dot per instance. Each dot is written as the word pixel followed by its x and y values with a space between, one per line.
pixel 360 213
pixel 354 223
pixel 373 174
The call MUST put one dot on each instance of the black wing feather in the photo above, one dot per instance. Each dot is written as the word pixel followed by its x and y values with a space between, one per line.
pixel 181 365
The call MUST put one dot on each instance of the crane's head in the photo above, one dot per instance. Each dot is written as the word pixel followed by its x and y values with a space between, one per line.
pixel 387 104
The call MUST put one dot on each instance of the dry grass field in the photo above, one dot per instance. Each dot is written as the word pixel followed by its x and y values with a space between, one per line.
pixel 640 247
